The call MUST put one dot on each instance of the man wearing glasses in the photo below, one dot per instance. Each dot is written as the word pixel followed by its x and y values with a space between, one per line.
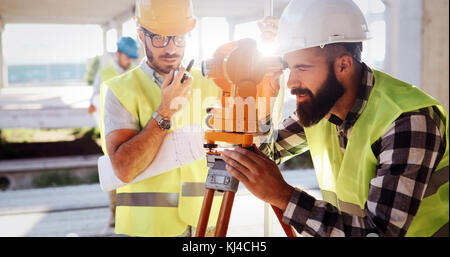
pixel 140 108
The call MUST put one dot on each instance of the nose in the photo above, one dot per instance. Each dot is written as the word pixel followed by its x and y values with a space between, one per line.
pixel 170 47
pixel 292 81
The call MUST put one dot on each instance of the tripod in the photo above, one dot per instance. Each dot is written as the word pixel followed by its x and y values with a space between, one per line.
pixel 219 179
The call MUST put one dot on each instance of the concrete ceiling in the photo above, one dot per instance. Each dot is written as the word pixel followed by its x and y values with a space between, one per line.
pixel 104 12
pixel 64 11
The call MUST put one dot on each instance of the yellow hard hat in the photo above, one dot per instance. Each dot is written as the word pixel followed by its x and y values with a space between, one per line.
pixel 165 17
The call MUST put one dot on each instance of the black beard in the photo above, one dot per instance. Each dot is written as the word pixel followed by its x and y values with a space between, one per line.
pixel 154 65
pixel 312 110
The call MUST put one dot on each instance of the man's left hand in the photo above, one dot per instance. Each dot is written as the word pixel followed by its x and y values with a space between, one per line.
pixel 259 174
pixel 269 28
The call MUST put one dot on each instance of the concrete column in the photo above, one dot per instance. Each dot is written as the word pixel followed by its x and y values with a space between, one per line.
pixel 403 39
pixel 3 69
pixel 105 29
pixel 268 8
pixel 435 53
pixel 119 30
pixel 392 36
pixel 231 29
pixel 268 215
pixel 200 38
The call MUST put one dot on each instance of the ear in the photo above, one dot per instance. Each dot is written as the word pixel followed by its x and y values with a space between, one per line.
pixel 140 35
pixel 343 65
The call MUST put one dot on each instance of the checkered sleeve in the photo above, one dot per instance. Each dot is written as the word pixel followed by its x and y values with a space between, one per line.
pixel 285 142
pixel 407 153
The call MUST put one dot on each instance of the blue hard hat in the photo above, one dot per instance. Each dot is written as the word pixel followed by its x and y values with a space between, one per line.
pixel 128 46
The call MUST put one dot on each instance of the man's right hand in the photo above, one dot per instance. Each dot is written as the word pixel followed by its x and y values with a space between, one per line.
pixel 171 89
pixel 91 109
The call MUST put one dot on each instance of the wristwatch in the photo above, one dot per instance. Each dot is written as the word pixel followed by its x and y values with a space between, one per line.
pixel 162 123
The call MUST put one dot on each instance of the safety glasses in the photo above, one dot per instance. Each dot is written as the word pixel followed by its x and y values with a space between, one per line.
pixel 160 41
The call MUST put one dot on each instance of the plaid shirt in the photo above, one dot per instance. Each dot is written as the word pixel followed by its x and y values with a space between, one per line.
pixel 407 153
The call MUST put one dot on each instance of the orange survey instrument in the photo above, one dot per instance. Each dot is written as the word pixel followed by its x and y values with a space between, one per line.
pixel 237 68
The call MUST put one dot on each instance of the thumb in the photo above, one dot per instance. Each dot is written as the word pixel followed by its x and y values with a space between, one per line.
pixel 168 79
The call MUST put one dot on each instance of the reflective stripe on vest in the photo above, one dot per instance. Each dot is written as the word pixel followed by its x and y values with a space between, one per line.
pixel 148 199
pixel 157 199
pixel 349 208
pixel 438 178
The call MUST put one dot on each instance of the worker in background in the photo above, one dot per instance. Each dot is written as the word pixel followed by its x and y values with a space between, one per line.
pixel 127 52
pixel 379 145
pixel 137 117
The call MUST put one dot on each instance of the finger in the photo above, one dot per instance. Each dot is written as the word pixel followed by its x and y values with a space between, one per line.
pixel 256 156
pixel 180 74
pixel 188 80
pixel 237 174
pixel 272 19
pixel 186 87
pixel 252 156
pixel 241 158
pixel 271 30
pixel 235 165
pixel 168 79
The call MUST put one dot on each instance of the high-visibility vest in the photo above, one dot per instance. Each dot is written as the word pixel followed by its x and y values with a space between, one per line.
pixel 166 204
pixel 344 178
pixel 108 73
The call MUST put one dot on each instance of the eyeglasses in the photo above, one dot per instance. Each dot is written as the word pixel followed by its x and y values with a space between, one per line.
pixel 160 41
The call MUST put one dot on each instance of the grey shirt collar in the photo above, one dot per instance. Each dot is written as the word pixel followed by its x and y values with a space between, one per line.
pixel 155 76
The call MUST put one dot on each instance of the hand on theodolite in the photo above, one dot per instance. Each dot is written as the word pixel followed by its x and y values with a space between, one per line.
pixel 267 91
pixel 269 28
pixel 268 88
pixel 259 174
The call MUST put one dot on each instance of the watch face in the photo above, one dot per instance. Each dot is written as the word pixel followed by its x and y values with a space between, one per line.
pixel 165 124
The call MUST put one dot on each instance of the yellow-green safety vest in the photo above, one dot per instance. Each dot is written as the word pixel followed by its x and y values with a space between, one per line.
pixel 166 204
pixel 344 178
pixel 108 73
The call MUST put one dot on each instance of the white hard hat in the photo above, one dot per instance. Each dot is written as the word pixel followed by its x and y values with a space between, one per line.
pixel 310 23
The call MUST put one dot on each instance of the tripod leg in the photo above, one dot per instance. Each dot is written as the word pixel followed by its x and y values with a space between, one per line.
pixel 204 214
pixel 224 215
pixel 287 229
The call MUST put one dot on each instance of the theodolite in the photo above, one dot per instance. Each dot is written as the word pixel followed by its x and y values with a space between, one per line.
pixel 237 68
